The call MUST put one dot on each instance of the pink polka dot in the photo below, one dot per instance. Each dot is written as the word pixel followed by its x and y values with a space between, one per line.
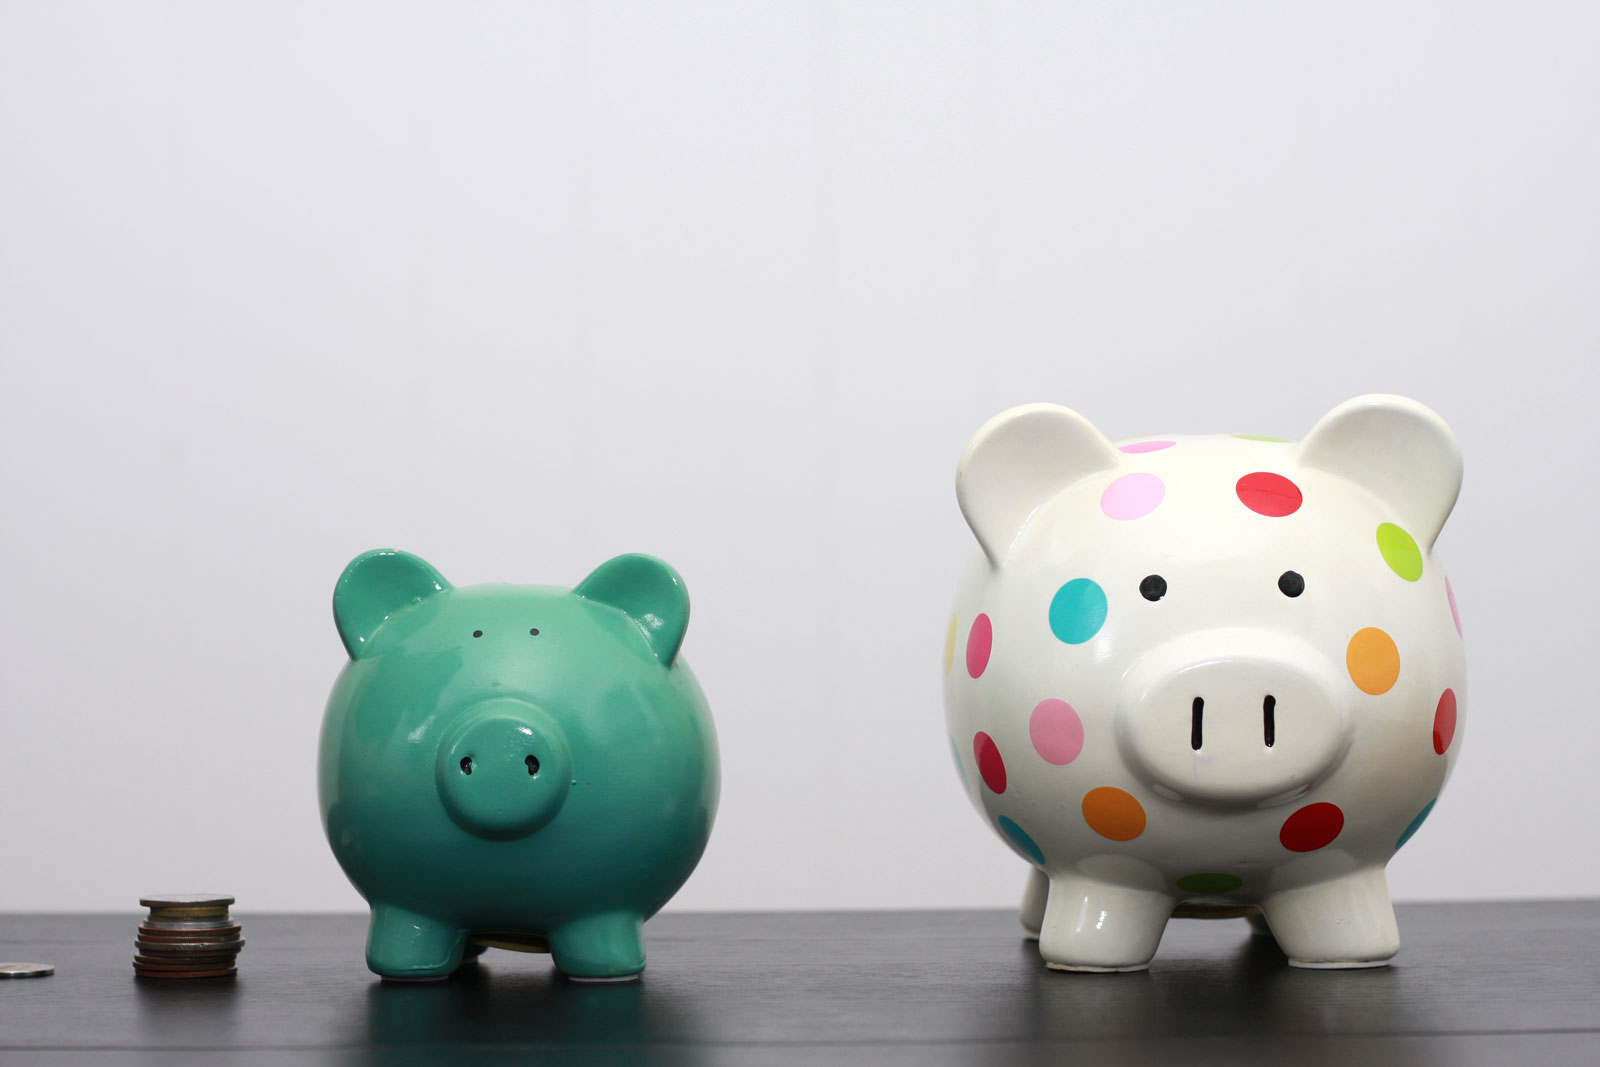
pixel 990 766
pixel 1132 496
pixel 1146 446
pixel 980 642
pixel 1444 722
pixel 1057 732
pixel 1455 612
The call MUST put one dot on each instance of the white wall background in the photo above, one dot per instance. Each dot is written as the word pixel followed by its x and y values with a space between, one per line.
pixel 517 286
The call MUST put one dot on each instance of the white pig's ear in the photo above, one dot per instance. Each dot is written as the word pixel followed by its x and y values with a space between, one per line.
pixel 376 585
pixel 649 593
pixel 1017 461
pixel 1397 449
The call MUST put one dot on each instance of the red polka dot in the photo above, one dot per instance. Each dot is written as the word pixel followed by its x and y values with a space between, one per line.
pixel 990 766
pixel 980 641
pixel 1444 722
pixel 1312 827
pixel 1269 494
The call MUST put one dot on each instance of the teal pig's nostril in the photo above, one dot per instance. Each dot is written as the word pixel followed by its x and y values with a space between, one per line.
pixel 466 764
pixel 533 764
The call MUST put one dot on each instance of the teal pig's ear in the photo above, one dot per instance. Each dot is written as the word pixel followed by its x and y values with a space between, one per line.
pixel 649 593
pixel 376 585
pixel 1017 461
pixel 1396 449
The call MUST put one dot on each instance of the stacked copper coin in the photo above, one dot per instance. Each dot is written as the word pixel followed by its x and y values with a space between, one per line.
pixel 187 937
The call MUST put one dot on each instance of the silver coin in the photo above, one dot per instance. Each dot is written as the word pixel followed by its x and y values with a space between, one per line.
pixel 188 924
pixel 190 900
pixel 26 970
pixel 183 947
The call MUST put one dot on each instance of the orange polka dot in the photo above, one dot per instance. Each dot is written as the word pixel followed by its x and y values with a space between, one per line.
pixel 950 645
pixel 1113 813
pixel 1373 661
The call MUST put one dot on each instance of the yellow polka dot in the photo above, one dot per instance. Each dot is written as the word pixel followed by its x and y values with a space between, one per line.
pixel 1112 813
pixel 1373 661
pixel 950 645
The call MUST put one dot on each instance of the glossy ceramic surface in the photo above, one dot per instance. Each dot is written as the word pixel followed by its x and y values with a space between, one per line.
pixel 1210 671
pixel 527 766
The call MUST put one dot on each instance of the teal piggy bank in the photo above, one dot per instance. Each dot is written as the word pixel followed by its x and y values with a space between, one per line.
pixel 517 766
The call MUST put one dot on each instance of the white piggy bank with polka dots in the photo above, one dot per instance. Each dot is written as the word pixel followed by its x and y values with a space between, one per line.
pixel 1206 675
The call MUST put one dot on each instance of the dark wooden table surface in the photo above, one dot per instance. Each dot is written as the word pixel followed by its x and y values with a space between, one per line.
pixel 1490 983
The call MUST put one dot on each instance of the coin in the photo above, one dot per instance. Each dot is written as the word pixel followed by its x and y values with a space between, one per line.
pixel 185 949
pixel 26 970
pixel 200 963
pixel 187 936
pixel 160 945
pixel 187 914
pixel 211 933
pixel 226 972
pixel 189 923
pixel 186 900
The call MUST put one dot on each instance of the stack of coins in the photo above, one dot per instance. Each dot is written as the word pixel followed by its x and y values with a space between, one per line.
pixel 187 937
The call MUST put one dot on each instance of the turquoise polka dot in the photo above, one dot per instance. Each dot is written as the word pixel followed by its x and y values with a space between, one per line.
pixel 1020 838
pixel 955 754
pixel 1416 824
pixel 1077 611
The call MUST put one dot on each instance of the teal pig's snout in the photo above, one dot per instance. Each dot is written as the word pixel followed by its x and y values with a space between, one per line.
pixel 503 769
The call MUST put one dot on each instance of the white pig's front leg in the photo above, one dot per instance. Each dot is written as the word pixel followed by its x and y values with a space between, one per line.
pixel 1342 923
pixel 1091 925
pixel 1033 901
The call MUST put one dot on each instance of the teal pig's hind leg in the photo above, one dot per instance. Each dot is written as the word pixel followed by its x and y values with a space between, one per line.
pixel 1033 902
pixel 404 946
pixel 600 948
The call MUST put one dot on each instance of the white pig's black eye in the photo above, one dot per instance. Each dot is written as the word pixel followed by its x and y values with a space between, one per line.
pixel 1153 588
pixel 1291 584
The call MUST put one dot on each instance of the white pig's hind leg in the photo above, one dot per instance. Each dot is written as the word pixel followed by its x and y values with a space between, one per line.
pixel 1033 901
pixel 1343 923
pixel 1097 926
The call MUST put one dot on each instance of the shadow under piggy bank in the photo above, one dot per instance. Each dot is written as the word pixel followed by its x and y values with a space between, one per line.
pixel 1198 1002
pixel 514 1004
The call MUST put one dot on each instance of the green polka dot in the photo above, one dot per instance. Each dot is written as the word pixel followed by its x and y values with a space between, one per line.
pixel 1400 552
pixel 1209 883
pixel 1262 437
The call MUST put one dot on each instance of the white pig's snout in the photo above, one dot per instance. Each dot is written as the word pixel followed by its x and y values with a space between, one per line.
pixel 1234 717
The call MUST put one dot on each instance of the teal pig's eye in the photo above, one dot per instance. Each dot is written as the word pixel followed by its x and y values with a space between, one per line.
pixel 534 631
pixel 477 633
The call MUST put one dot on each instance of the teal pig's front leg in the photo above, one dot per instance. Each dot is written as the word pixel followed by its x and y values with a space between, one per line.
pixel 600 948
pixel 407 947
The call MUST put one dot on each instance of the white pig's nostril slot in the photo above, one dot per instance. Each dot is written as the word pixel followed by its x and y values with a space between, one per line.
pixel 1195 732
pixel 1269 712
pixel 466 764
